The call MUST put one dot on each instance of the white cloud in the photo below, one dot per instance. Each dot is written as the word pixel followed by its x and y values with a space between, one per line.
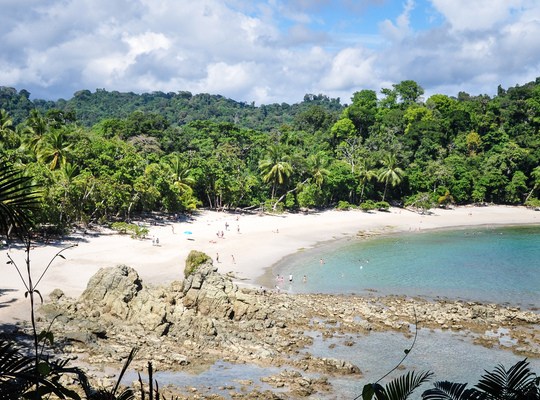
pixel 476 15
pixel 350 69
pixel 265 50
pixel 401 28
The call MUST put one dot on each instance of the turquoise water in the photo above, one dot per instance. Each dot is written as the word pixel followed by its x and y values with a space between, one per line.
pixel 486 264
pixel 490 264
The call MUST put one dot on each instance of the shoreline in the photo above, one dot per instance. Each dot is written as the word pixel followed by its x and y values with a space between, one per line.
pixel 251 246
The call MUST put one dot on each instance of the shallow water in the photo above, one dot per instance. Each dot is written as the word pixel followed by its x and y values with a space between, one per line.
pixel 486 264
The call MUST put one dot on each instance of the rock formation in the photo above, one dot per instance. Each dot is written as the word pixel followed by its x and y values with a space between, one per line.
pixel 192 323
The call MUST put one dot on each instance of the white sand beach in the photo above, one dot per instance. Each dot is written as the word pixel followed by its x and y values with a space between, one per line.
pixel 250 245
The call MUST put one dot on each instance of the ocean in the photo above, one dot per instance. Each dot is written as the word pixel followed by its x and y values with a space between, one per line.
pixel 489 264
pixel 494 264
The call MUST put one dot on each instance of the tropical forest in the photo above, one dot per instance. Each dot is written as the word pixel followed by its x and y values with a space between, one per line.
pixel 104 156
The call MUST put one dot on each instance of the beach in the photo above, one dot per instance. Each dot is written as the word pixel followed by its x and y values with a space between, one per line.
pixel 242 245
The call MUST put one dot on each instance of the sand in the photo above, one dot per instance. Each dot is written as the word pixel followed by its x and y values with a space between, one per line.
pixel 251 244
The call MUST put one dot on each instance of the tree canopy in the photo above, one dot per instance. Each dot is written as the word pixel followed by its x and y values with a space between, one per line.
pixel 109 155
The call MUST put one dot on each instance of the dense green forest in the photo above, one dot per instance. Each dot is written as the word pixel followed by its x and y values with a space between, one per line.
pixel 106 156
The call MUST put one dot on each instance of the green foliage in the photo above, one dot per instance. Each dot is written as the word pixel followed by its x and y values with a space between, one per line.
pixel 21 378
pixel 194 260
pixel 382 206
pixel 107 155
pixel 368 205
pixel 135 230
pixel 421 201
pixel 18 197
pixel 344 205
pixel 518 382
pixel 533 203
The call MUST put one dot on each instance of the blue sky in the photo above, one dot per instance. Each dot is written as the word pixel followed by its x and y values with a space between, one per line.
pixel 267 51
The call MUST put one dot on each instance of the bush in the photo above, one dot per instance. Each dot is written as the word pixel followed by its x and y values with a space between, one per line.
pixel 533 203
pixel 344 205
pixel 194 260
pixel 382 206
pixel 134 230
pixel 368 205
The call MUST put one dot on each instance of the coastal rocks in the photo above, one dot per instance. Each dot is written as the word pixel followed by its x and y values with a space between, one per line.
pixel 300 386
pixel 189 325
pixel 111 289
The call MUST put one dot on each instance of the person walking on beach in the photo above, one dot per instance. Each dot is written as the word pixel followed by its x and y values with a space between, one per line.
pixel 217 257
pixel 233 260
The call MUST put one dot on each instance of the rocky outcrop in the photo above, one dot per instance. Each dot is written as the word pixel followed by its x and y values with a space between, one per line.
pixel 118 293
pixel 192 323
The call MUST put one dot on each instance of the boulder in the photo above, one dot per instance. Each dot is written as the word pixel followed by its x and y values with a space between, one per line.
pixel 111 289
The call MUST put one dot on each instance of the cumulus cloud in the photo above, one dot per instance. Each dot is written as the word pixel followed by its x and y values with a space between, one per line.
pixel 266 50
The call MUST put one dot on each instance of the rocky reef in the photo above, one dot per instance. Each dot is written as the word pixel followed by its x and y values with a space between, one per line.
pixel 190 324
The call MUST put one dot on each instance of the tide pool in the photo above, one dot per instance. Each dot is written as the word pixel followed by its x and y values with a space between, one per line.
pixel 494 264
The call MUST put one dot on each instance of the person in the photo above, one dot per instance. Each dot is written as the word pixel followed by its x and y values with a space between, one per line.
pixel 290 278
pixel 321 261
pixel 233 260
pixel 238 228
pixel 226 226
pixel 217 257
pixel 304 279
pixel 157 241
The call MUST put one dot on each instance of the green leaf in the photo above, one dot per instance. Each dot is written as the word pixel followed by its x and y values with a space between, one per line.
pixel 44 368
pixel 368 391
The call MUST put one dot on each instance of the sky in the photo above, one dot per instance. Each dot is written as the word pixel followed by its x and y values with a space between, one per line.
pixel 267 51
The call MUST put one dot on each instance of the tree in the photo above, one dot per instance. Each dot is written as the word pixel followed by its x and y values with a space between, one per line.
pixel 6 128
pixel 317 165
pixel 53 149
pixel 364 173
pixel 516 383
pixel 409 91
pixel 18 197
pixel 275 168
pixel 390 173
pixel 535 176
pixel 36 129
pixel 363 111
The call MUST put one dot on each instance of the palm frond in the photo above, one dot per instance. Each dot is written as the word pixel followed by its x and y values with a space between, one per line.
pixel 511 384
pixel 18 196
pixel 402 387
pixel 451 391
pixel 19 376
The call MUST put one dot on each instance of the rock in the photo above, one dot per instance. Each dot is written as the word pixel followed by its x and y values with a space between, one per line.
pixel 56 295
pixel 112 289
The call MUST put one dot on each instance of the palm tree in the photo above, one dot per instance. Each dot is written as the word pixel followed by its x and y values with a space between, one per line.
pixel 317 164
pixel 6 126
pixel 53 150
pixel 518 383
pixel 275 168
pixel 399 388
pixel 19 377
pixel 36 129
pixel 18 196
pixel 390 173
pixel 364 173
pixel 181 173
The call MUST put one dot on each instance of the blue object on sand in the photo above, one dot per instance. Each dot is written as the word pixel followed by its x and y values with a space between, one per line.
pixel 188 232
